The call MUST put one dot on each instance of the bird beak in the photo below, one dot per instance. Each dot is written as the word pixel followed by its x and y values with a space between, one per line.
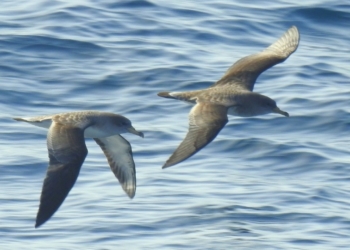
pixel 135 132
pixel 278 111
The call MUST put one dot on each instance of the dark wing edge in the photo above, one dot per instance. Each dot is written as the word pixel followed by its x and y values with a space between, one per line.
pixel 206 121
pixel 245 71
pixel 67 152
pixel 120 159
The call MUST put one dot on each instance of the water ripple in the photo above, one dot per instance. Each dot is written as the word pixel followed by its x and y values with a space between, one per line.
pixel 266 182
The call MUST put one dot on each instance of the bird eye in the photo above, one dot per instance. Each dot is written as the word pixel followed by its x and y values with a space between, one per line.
pixel 124 123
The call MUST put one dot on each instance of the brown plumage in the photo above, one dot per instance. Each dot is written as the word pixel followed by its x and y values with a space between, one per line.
pixel 232 94
pixel 67 152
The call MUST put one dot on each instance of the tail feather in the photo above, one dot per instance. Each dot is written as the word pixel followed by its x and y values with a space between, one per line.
pixel 165 95
pixel 43 122
pixel 20 119
pixel 189 97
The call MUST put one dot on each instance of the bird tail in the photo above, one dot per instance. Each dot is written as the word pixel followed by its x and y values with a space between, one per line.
pixel 20 119
pixel 166 95
pixel 40 121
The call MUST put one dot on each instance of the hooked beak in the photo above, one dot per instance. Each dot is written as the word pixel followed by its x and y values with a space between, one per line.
pixel 278 111
pixel 135 132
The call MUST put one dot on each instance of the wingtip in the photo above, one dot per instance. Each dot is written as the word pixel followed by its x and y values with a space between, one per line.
pixel 294 30
pixel 130 191
pixel 293 27
pixel 38 223
pixel 287 43
pixel 167 165
pixel 41 218
pixel 131 194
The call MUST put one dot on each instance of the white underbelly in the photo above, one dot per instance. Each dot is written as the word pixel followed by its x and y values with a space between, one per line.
pixel 94 132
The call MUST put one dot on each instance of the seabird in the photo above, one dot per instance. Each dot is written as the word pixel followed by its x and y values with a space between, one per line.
pixel 67 152
pixel 232 94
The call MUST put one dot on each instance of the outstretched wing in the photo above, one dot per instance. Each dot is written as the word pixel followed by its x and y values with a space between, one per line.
pixel 119 155
pixel 67 152
pixel 246 70
pixel 206 121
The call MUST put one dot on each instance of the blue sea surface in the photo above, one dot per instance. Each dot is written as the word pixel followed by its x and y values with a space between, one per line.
pixel 266 182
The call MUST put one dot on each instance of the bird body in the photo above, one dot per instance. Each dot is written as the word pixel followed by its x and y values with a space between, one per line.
pixel 67 152
pixel 238 103
pixel 95 123
pixel 231 95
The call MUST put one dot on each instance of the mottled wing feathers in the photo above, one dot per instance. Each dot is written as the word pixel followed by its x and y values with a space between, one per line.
pixel 205 122
pixel 246 70
pixel 119 155
pixel 67 152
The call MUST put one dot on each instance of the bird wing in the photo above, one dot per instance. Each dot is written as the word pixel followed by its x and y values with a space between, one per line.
pixel 119 155
pixel 67 152
pixel 205 122
pixel 246 70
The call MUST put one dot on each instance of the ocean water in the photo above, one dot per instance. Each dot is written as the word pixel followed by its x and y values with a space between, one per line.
pixel 266 182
